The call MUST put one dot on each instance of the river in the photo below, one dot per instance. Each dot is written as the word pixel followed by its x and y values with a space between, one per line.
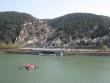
pixel 55 69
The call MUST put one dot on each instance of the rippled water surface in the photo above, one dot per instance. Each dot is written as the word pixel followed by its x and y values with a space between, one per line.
pixel 55 69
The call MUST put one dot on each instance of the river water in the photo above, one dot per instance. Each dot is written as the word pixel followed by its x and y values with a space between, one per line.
pixel 55 69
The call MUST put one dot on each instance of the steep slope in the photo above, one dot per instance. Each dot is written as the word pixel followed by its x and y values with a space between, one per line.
pixel 35 34
pixel 11 25
pixel 82 23
pixel 76 30
pixel 82 29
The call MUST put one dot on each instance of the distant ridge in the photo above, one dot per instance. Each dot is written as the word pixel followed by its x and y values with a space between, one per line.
pixel 71 30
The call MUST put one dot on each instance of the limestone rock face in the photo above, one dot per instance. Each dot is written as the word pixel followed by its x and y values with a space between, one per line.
pixel 34 34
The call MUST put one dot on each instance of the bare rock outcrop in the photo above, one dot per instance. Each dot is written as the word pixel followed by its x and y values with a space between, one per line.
pixel 34 34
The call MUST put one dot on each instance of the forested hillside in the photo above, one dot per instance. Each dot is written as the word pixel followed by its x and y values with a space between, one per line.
pixel 11 24
pixel 72 30
pixel 83 28
pixel 82 24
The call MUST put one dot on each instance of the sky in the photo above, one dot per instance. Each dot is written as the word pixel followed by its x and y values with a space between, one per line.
pixel 54 8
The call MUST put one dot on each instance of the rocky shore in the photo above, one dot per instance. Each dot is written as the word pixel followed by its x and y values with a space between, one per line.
pixel 36 51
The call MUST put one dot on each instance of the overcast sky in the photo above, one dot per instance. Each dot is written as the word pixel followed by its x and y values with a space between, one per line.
pixel 56 8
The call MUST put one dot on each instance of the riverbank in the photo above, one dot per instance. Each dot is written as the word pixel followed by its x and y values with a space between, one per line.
pixel 88 51
pixel 56 51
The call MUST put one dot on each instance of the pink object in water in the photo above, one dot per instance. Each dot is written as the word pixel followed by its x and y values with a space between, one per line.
pixel 30 66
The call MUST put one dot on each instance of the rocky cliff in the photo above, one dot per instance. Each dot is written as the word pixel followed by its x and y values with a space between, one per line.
pixel 77 30
pixel 35 34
